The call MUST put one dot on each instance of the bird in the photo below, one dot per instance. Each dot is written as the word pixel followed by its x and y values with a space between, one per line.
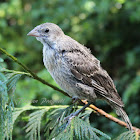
pixel 76 70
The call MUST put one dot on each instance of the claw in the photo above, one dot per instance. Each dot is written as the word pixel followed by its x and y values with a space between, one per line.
pixel 69 118
pixel 72 115
pixel 75 99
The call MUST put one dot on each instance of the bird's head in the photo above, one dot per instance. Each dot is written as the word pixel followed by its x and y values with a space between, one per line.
pixel 47 33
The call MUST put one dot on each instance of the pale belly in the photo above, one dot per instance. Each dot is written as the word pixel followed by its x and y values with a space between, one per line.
pixel 59 71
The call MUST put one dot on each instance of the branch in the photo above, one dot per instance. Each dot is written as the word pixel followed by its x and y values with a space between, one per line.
pixel 16 72
pixel 97 110
pixel 110 117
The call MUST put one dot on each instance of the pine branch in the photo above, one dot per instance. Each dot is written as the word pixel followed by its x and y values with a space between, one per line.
pixel 128 136
pixel 33 75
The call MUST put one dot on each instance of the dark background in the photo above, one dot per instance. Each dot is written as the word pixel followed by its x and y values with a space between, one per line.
pixel 110 28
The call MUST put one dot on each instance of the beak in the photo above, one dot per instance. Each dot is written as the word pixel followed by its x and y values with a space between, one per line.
pixel 34 33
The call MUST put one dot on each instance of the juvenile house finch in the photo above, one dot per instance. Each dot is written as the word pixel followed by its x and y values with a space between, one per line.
pixel 75 69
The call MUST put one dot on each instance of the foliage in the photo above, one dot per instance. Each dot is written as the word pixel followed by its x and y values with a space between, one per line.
pixel 128 136
pixel 33 127
pixel 7 86
pixel 77 129
pixel 108 27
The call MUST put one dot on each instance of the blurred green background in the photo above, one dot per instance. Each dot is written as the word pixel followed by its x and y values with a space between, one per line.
pixel 110 28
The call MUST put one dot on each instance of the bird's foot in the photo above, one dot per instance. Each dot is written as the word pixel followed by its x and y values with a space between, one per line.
pixel 75 99
pixel 72 115
pixel 69 118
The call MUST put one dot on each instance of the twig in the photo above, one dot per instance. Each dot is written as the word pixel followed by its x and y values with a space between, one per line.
pixel 100 111
pixel 110 117
pixel 16 72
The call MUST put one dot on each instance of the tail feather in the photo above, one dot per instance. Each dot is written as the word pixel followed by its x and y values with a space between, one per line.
pixel 122 113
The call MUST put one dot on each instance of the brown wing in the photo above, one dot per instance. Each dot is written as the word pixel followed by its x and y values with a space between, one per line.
pixel 88 71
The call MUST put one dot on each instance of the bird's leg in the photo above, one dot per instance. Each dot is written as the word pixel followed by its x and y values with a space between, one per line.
pixel 75 99
pixel 72 115
pixel 82 109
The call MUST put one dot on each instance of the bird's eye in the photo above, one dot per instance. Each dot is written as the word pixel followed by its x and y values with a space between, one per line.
pixel 47 30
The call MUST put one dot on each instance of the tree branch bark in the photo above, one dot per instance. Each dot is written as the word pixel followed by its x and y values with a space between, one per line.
pixel 97 110
pixel 110 117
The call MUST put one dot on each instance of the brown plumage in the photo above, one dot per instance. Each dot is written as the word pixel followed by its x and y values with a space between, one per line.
pixel 75 69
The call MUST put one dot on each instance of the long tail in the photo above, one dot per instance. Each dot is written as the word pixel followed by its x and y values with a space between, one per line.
pixel 122 113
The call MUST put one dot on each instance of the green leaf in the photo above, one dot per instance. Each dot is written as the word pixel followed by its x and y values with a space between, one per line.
pixel 6 108
pixel 7 84
pixel 33 126
pixel 128 136
pixel 12 79
pixel 79 130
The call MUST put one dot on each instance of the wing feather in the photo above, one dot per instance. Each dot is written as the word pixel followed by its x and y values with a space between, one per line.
pixel 88 71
